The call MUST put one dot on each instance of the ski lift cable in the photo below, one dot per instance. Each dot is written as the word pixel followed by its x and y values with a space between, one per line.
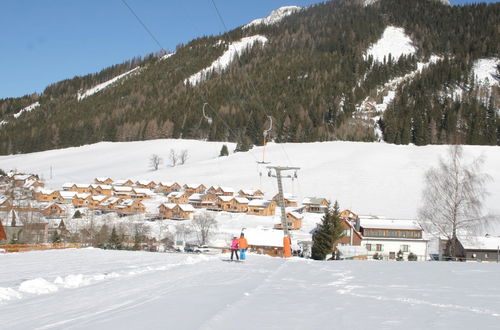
pixel 250 82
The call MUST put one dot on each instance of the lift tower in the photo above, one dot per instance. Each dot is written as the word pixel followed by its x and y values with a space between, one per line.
pixel 278 175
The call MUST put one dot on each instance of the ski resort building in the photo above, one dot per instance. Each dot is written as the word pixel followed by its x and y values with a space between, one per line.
pixel 386 237
pixel 251 194
pixel 261 207
pixel 176 211
pixel 315 204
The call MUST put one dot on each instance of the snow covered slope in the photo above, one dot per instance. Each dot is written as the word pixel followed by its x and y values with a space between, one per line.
pixel 29 108
pixel 275 16
pixel 104 85
pixel 485 71
pixel 394 42
pixel 369 178
pixel 234 49
pixel 103 289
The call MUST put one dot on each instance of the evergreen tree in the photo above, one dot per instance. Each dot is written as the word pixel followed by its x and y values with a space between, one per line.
pixel 56 238
pixel 327 233
pixel 114 241
pixel 137 240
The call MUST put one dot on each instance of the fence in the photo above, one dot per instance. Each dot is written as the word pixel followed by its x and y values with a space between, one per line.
pixel 35 247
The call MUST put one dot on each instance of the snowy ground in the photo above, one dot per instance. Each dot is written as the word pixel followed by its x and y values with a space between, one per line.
pixel 97 289
pixel 368 178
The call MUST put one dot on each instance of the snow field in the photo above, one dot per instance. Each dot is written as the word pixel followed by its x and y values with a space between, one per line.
pixel 200 292
pixel 394 42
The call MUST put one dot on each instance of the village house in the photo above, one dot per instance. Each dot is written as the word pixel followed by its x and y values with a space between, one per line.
pixel 52 210
pixel 109 204
pixel 176 211
pixel 67 196
pixel 126 182
pixel 5 203
pixel 315 204
pixel 33 184
pixel 178 197
pixel 193 188
pixel 123 192
pixel 224 191
pixel 202 200
pixel 289 199
pixel 19 180
pixel 269 242
pixel 142 193
pixel 146 184
pixel 212 190
pixel 261 207
pixel 386 237
pixel 81 200
pixel 232 204
pixel 95 200
pixel 294 221
pixel 130 206
pixel 101 189
pixel 167 187
pixel 251 194
pixel 46 195
pixel 103 180
pixel 476 248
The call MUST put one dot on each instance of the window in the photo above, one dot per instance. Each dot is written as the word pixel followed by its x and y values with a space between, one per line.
pixel 405 248
pixel 379 247
pixel 346 233
pixel 368 247
pixel 393 233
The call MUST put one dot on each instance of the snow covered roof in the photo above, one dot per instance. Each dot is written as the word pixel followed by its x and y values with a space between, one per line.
pixel 175 194
pixel 196 197
pixel 44 191
pixel 103 178
pixel 250 192
pixel 126 203
pixel 98 198
pixel 377 223
pixel 227 189
pixel 3 199
pixel 275 16
pixel 102 186
pixel 480 242
pixel 187 207
pixel 145 182
pixel 144 191
pixel 192 185
pixel 110 200
pixel 226 198
pixel 313 200
pixel 169 205
pixel 259 203
pixel 242 200
pixel 264 237
pixel 68 185
pixel 82 196
pixel 67 194
pixel 167 183
pixel 123 189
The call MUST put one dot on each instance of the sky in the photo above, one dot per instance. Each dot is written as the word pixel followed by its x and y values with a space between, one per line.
pixel 45 41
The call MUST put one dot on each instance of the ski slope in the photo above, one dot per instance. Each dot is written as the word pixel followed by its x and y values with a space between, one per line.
pixel 368 178
pixel 99 289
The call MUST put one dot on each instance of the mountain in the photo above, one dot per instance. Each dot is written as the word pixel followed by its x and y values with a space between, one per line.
pixel 416 71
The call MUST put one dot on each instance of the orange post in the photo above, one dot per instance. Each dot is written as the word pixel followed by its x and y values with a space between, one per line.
pixel 287 247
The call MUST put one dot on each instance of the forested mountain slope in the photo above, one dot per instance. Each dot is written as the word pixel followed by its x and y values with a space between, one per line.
pixel 312 71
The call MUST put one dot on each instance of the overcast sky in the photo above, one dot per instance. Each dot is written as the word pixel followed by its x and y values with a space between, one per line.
pixel 45 41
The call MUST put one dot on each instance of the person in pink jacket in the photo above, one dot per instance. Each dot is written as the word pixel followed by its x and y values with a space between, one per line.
pixel 234 248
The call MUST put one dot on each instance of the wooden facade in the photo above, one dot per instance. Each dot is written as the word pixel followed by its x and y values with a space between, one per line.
pixel 105 181
pixel 176 211
pixel 52 211
pixel 251 194
pixel 178 197
pixel 45 196
pixel 294 221
pixel 194 188
pixel 261 207
pixel 315 204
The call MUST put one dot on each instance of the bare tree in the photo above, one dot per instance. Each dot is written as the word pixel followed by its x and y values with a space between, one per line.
pixel 183 231
pixel 155 161
pixel 204 225
pixel 452 200
pixel 173 158
pixel 183 156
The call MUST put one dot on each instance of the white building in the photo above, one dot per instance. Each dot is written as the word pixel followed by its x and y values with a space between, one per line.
pixel 386 237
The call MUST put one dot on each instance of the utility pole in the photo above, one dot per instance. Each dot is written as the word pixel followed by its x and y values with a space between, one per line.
pixel 281 200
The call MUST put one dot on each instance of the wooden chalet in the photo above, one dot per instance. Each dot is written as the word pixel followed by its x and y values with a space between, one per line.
pixel 167 187
pixel 20 180
pixel 67 196
pixel 289 199
pixel 52 210
pixel 178 197
pixel 130 206
pixel 224 191
pixel 95 200
pixel 33 184
pixel 146 184
pixel 261 207
pixel 202 200
pixel 46 195
pixel 101 189
pixel 109 203
pixel 123 191
pixel 81 200
pixel 294 221
pixel 126 183
pixel 142 193
pixel 194 188
pixel 176 211
pixel 251 194
pixel 315 204
pixel 103 180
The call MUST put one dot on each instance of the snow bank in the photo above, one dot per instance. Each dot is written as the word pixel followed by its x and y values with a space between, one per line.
pixel 29 108
pixel 104 85
pixel 220 64
pixel 275 16
pixel 37 286
pixel 394 42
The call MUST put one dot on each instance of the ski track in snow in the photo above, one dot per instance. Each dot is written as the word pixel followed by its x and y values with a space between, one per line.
pixel 104 85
